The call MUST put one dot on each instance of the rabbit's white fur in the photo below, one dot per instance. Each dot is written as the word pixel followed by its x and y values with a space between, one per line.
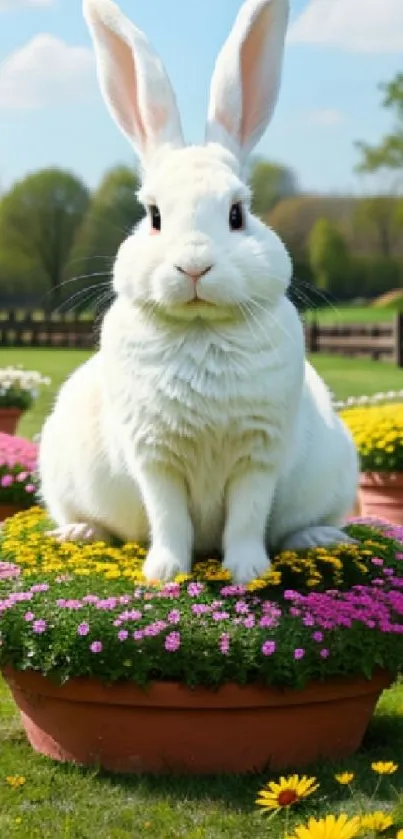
pixel 198 423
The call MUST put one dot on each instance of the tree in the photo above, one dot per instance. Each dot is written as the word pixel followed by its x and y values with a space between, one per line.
pixel 39 219
pixel 113 212
pixel 377 219
pixel 270 182
pixel 389 153
pixel 329 257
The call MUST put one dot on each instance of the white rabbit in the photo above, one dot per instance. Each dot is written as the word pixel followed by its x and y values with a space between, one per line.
pixel 198 423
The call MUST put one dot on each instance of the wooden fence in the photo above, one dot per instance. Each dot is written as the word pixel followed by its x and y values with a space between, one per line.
pixel 39 330
pixel 380 341
pixel 377 341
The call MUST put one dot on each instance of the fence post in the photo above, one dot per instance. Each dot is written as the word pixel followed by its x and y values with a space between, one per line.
pixel 313 336
pixel 399 339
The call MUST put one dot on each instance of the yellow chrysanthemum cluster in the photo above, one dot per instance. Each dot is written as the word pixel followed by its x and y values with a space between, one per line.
pixel 378 434
pixel 24 541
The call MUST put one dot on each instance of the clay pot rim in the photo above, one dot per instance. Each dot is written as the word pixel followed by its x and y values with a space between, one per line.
pixel 11 410
pixel 378 478
pixel 176 695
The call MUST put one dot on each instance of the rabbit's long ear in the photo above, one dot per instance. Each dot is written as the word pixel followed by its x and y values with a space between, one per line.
pixel 247 76
pixel 132 79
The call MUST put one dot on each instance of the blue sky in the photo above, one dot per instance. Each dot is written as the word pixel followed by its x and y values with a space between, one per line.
pixel 338 50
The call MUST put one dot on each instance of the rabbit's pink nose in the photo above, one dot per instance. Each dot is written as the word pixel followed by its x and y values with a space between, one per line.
pixel 192 273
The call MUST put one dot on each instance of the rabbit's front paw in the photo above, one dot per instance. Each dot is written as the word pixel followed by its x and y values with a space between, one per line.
pixel 246 561
pixel 315 537
pixel 79 532
pixel 162 564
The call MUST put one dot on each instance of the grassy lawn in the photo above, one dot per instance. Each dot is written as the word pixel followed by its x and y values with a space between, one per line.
pixel 65 802
pixel 350 314
pixel 345 376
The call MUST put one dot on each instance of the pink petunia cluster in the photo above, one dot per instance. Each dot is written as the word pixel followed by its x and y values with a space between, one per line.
pixel 18 463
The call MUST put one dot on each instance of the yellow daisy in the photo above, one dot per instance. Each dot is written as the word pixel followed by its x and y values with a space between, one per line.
pixel 15 781
pixel 331 827
pixel 345 778
pixel 384 767
pixel 377 821
pixel 286 791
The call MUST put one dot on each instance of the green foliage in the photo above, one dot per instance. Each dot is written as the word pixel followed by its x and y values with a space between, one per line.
pixel 39 219
pixel 270 182
pixel 112 214
pixel 388 154
pixel 328 256
pixel 379 219
pixel 370 276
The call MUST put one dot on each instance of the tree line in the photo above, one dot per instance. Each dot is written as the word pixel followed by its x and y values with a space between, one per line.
pixel 58 239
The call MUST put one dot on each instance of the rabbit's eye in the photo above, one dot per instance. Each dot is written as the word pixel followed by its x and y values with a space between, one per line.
pixel 236 220
pixel 155 217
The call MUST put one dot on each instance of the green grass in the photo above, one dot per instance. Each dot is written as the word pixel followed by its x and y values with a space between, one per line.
pixel 345 377
pixel 56 363
pixel 356 377
pixel 66 802
pixel 350 314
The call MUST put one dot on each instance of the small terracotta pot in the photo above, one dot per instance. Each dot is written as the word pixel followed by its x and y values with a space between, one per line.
pixel 7 510
pixel 381 495
pixel 171 728
pixel 9 418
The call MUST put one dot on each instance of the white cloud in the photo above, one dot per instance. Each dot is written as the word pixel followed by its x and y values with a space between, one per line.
pixel 371 26
pixel 327 117
pixel 16 4
pixel 44 72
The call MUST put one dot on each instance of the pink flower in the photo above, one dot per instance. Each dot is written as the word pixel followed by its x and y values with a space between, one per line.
pixel 8 569
pixel 172 642
pixel 224 643
pixel 22 476
pixel 174 616
pixel 249 622
pixel 268 648
pixel 96 646
pixel 298 654
pixel 194 589
pixel 123 635
pixel 7 480
pixel 39 626
pixel 83 629
pixel 29 616
pixel 30 488
pixel 325 653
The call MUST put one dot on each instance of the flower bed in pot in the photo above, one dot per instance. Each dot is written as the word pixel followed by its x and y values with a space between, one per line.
pixel 377 429
pixel 18 479
pixel 19 389
pixel 197 675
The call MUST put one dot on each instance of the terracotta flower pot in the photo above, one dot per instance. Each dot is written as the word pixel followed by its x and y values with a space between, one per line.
pixel 381 495
pixel 171 728
pixel 7 510
pixel 9 418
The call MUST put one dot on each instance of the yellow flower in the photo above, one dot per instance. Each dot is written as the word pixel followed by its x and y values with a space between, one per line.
pixel 384 767
pixel 344 778
pixel 377 821
pixel 399 834
pixel 331 827
pixel 286 791
pixel 15 781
